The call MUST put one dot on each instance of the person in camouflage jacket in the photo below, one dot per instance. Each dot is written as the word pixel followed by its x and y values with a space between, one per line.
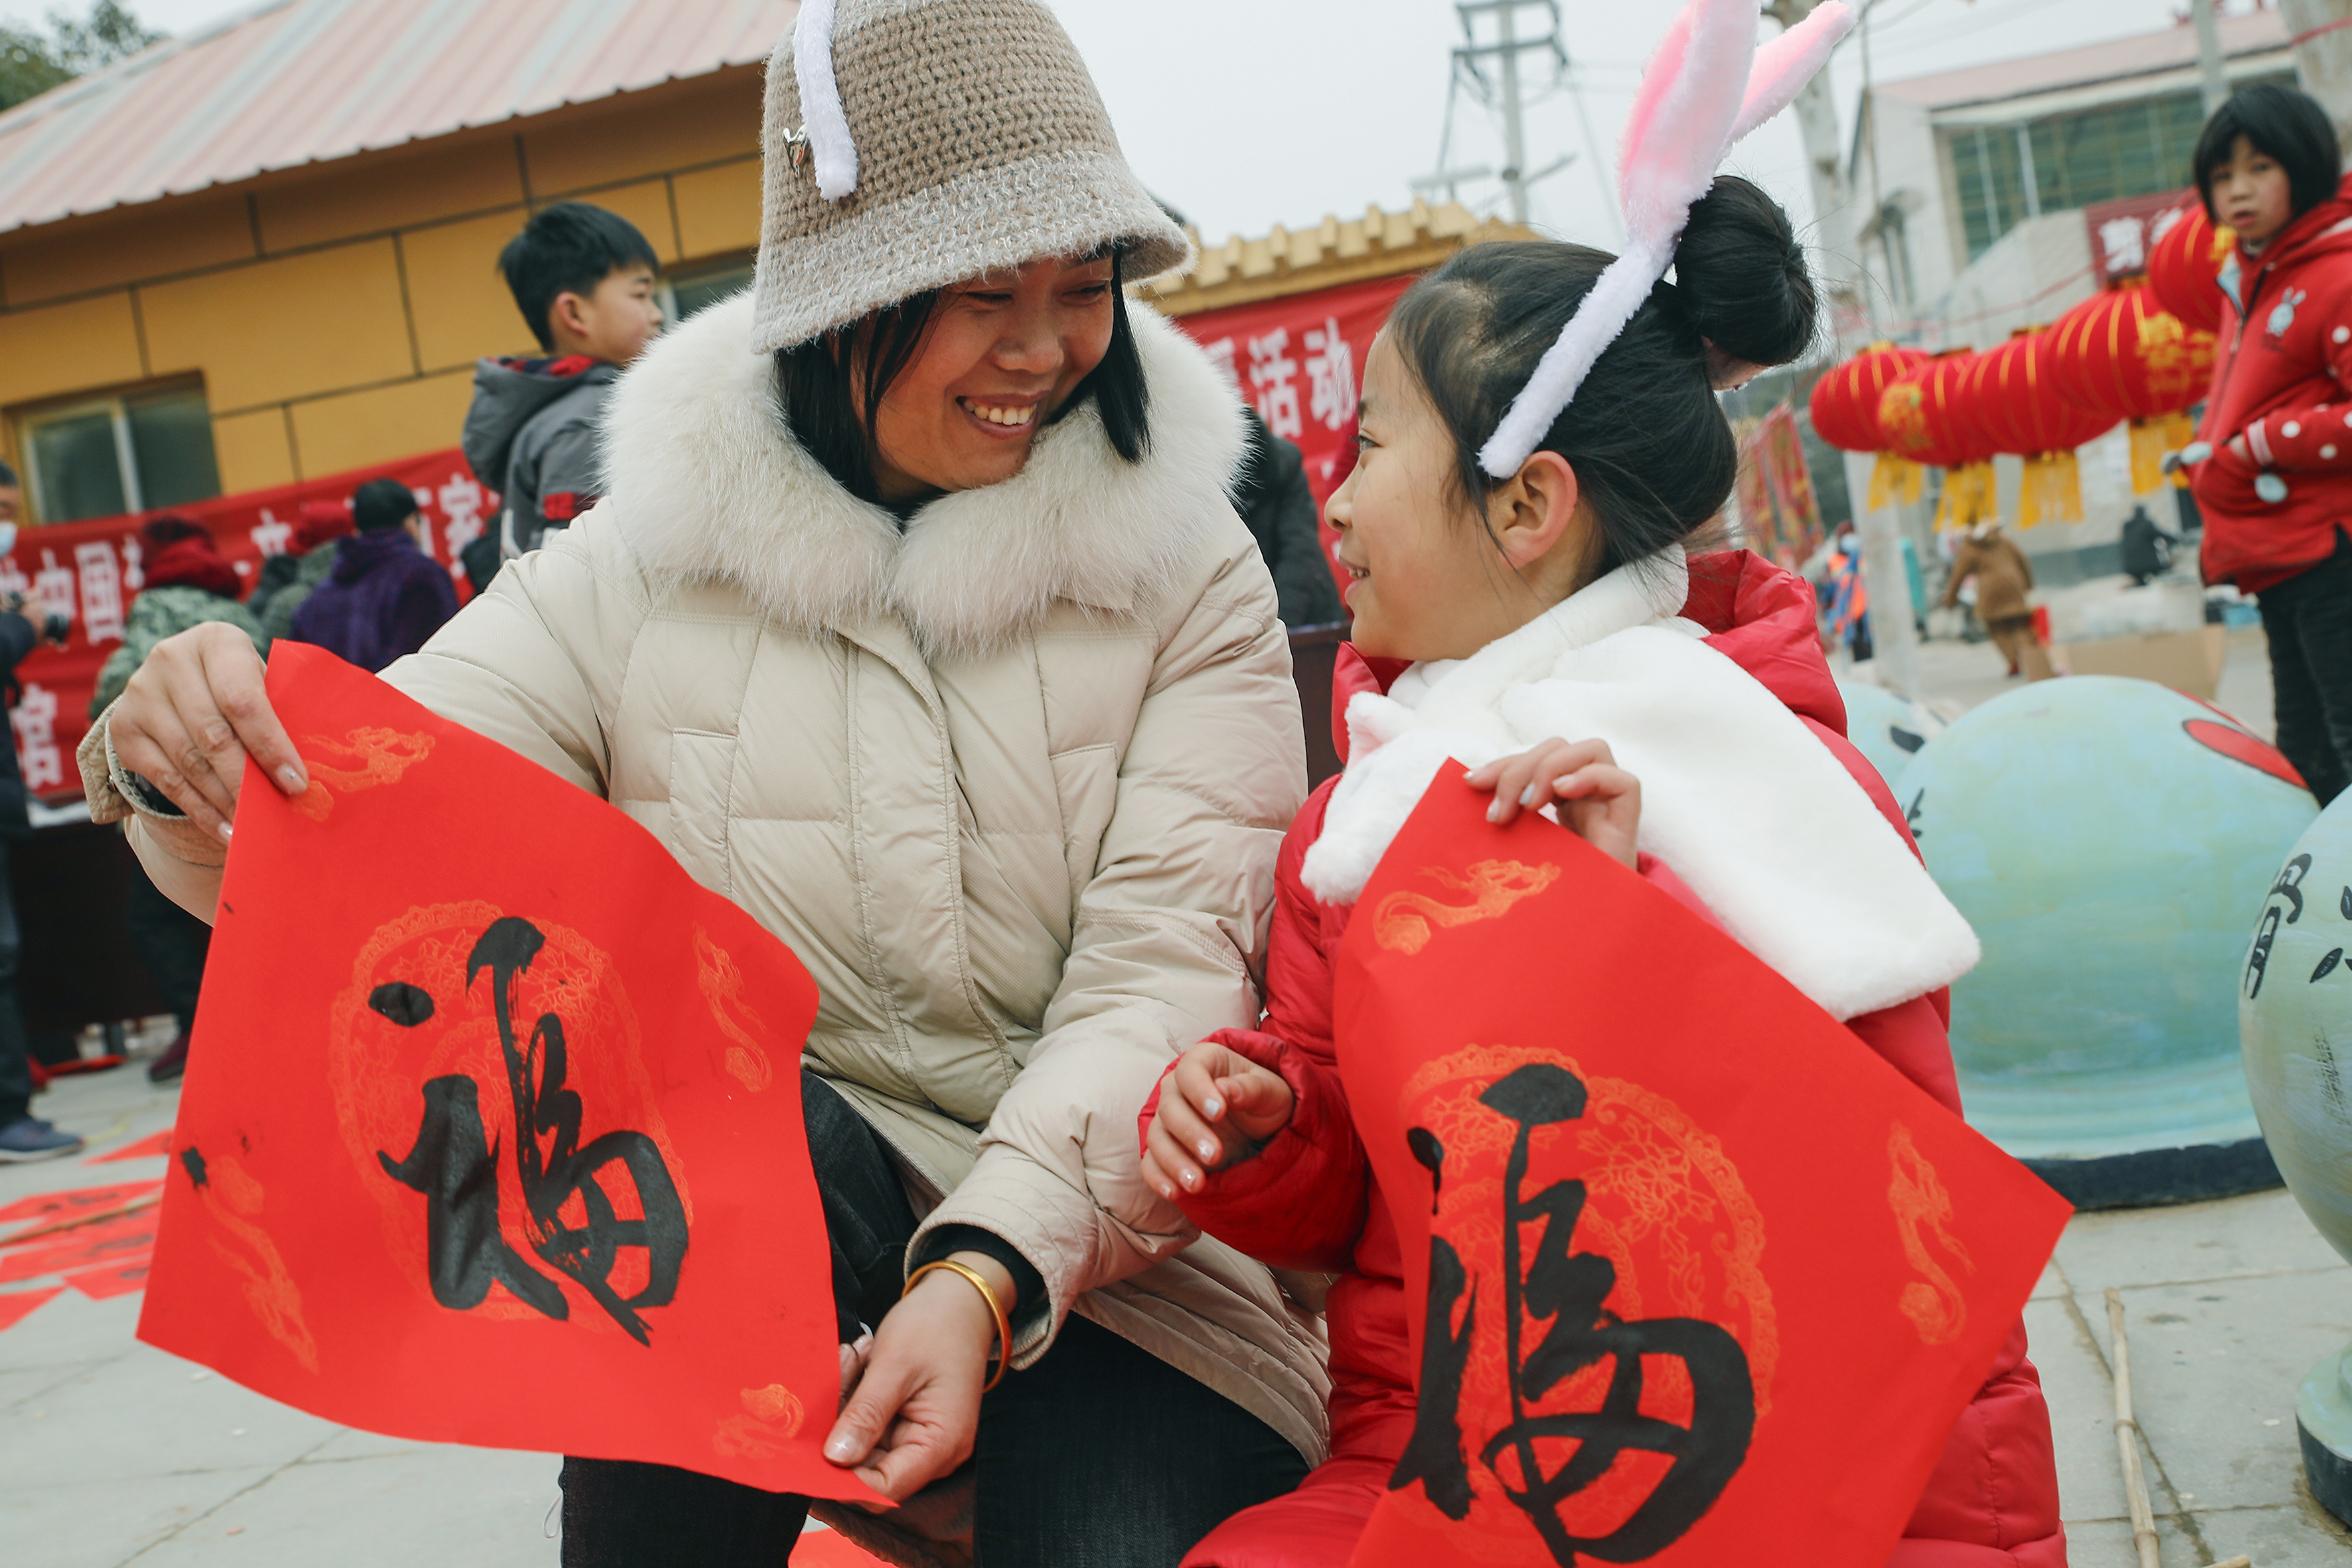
pixel 187 583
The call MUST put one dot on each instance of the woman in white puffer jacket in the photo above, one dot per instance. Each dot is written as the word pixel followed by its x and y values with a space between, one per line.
pixel 915 621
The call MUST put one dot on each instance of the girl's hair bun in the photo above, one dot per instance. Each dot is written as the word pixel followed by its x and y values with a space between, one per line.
pixel 1741 276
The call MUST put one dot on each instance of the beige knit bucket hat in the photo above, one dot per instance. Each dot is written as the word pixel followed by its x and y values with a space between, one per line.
pixel 913 143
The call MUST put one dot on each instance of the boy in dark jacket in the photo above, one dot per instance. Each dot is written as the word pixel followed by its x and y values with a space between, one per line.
pixel 585 279
pixel 2272 465
pixel 384 597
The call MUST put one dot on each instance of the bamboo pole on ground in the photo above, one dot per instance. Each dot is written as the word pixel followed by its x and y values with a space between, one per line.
pixel 2143 1515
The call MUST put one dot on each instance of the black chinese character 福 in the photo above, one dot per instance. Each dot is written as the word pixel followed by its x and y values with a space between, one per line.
pixel 1568 1290
pixel 453 1164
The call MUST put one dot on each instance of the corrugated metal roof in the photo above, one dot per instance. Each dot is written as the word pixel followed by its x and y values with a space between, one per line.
pixel 2254 32
pixel 300 81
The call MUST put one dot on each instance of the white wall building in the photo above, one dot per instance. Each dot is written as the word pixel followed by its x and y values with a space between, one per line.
pixel 1977 179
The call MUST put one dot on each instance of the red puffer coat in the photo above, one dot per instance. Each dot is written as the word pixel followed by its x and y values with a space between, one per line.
pixel 1308 1200
pixel 2282 380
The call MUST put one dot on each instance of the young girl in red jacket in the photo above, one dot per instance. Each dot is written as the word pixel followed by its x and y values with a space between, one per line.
pixel 2272 465
pixel 1673 710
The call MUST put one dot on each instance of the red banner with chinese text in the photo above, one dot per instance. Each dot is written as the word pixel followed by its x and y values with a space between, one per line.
pixel 1299 361
pixel 89 571
pixel 1695 1277
pixel 2124 233
pixel 496 1137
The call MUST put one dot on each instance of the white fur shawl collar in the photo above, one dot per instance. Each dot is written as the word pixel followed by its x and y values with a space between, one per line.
pixel 708 484
pixel 1742 801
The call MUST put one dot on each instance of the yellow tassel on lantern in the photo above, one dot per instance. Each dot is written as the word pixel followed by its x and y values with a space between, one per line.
pixel 1970 497
pixel 2150 440
pixel 1892 476
pixel 2180 430
pixel 2053 489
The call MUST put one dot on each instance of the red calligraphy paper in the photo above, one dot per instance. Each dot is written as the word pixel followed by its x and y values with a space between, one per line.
pixel 496 1136
pixel 1696 1277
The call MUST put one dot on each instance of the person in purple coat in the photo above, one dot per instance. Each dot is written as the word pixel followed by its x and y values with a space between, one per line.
pixel 386 595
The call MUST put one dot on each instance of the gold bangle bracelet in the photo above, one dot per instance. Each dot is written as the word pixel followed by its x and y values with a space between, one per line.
pixel 995 1309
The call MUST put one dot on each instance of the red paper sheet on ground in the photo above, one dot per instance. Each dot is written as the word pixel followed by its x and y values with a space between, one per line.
pixel 496 1137
pixel 114 1279
pixel 100 1241
pixel 147 1148
pixel 48 1208
pixel 1710 1280
pixel 15 1306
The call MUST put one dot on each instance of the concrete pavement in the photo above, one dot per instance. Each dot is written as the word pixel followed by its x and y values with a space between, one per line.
pixel 113 1453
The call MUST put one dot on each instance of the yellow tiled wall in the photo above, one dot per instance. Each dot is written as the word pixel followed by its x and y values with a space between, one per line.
pixel 334 313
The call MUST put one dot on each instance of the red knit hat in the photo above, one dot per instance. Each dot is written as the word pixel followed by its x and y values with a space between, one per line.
pixel 322 520
pixel 182 555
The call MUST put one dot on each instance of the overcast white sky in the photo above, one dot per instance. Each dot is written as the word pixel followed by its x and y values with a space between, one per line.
pixel 1245 114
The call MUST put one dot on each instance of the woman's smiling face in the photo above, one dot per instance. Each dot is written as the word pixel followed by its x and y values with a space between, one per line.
pixel 1000 356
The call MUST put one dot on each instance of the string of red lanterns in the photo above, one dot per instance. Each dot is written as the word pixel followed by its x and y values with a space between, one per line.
pixel 2121 355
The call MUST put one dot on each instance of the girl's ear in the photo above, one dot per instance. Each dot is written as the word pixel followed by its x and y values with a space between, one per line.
pixel 1535 510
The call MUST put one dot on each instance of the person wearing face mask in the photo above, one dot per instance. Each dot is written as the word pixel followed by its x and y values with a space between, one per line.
pixel 2271 464
pixel 915 618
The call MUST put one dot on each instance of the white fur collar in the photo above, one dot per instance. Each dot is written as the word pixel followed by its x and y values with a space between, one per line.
pixel 1738 798
pixel 708 483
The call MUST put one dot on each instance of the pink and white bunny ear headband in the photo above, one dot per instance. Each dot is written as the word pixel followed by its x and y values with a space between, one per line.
pixel 1707 86
pixel 824 129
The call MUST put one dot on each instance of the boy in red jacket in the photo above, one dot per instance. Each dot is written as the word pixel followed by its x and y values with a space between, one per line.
pixel 2272 466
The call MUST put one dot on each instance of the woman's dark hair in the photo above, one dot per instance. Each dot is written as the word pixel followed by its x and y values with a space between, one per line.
pixel 1649 442
pixel 2285 125
pixel 831 406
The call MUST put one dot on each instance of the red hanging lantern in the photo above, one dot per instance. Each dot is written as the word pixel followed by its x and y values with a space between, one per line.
pixel 1844 408
pixel 2183 263
pixel 2013 397
pixel 1925 418
pixel 2122 354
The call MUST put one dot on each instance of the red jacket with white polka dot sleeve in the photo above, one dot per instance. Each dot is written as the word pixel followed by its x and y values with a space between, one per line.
pixel 2282 379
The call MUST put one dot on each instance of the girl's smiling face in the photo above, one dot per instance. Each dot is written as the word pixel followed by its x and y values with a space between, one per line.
pixel 1000 356
pixel 1427 580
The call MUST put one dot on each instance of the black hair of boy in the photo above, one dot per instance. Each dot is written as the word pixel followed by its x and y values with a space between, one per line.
pixel 568 248
pixel 2284 124
pixel 382 503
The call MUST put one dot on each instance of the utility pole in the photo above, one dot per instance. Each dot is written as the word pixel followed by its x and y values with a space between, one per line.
pixel 1893 624
pixel 1834 226
pixel 2215 80
pixel 2322 30
pixel 1515 151
pixel 1505 92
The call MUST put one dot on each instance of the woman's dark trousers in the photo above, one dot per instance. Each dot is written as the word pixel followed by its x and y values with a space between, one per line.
pixel 2308 620
pixel 1100 1455
pixel 170 943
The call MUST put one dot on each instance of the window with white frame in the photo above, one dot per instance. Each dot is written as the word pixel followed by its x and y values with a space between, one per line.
pixel 103 457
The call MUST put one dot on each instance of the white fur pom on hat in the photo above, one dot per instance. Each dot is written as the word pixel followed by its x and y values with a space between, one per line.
pixel 910 144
